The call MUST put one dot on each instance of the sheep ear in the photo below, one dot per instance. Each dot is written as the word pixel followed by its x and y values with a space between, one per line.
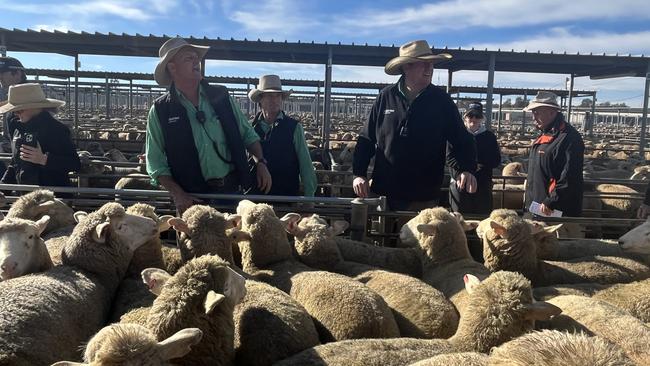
pixel 469 225
pixel 2 216
pixel 155 279
pixel 541 310
pixel 79 216
pixel 426 229
pixel 101 231
pixel 238 235
pixel 553 228
pixel 164 223
pixel 68 363
pixel 41 224
pixel 500 230
pixel 471 282
pixel 338 227
pixel 233 221
pixel 212 299
pixel 179 225
pixel 44 206
pixel 178 345
pixel 290 222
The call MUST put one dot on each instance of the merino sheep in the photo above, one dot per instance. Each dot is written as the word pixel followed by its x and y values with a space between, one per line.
pixel 269 324
pixel 637 240
pixel 135 181
pixel 202 294
pixel 267 257
pixel 74 298
pixel 508 245
pixel 420 310
pixel 400 260
pixel 132 293
pixel 552 347
pixel 460 358
pixel 444 253
pixel 22 250
pixel 604 320
pixel 499 308
pixel 132 344
pixel 36 204
pixel 623 207
pixel 549 247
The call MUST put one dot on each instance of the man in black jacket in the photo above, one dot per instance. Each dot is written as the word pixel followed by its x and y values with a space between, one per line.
pixel 555 162
pixel 409 127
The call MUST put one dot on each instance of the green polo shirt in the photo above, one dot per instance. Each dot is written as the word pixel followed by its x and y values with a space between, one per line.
pixel 307 172
pixel 211 164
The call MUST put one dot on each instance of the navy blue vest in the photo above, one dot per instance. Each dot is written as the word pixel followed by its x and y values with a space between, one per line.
pixel 182 156
pixel 281 155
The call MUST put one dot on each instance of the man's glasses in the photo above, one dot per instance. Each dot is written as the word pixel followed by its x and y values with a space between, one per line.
pixel 200 116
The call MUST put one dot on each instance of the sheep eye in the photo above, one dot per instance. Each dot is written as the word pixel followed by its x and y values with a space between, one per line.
pixel 30 237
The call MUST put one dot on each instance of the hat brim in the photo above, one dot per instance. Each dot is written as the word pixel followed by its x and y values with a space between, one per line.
pixel 534 105
pixel 48 103
pixel 393 67
pixel 161 75
pixel 255 95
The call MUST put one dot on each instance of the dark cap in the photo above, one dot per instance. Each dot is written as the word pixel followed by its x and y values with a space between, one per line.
pixel 474 109
pixel 10 64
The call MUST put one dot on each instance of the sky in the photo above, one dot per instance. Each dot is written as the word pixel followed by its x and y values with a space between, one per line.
pixel 621 26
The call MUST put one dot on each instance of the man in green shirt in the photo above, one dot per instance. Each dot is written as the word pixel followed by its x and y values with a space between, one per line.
pixel 283 140
pixel 196 137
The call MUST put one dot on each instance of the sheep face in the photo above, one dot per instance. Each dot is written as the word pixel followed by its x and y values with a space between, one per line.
pixel 637 240
pixel 132 344
pixel 21 247
pixel 134 230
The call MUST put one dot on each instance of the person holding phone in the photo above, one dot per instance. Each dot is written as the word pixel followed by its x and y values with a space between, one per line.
pixel 42 150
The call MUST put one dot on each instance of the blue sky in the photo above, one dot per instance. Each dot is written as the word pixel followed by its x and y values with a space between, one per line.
pixel 621 26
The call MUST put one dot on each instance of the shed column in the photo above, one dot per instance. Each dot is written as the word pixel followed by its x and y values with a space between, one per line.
pixel 568 117
pixel 76 95
pixel 490 90
pixel 326 111
pixel 644 118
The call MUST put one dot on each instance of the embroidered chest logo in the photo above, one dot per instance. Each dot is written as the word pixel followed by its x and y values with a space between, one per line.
pixel 388 111
pixel 173 120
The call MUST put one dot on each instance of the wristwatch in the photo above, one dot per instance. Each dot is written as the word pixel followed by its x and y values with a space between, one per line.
pixel 263 161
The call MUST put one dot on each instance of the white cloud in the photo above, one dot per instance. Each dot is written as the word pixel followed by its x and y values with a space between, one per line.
pixel 462 14
pixel 277 19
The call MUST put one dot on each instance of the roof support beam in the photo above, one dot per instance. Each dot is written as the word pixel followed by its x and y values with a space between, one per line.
pixel 490 90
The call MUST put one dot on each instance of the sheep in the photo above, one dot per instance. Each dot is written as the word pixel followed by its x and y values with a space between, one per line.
pixel 623 207
pixel 202 294
pixel 132 293
pixel 269 324
pixel 552 347
pixel 637 240
pixel 443 249
pixel 267 257
pixel 461 358
pixel 508 245
pixel 132 344
pixel 499 308
pixel 515 169
pixel 604 320
pixel 36 204
pixel 135 181
pixel 400 260
pixel 22 250
pixel 549 247
pixel 73 298
pixel 420 310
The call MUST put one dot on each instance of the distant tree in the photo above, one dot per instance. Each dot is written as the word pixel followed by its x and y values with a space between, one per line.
pixel 507 103
pixel 586 103
pixel 605 104
pixel 520 102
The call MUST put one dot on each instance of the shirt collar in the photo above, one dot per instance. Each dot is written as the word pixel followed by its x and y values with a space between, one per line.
pixel 278 118
pixel 402 92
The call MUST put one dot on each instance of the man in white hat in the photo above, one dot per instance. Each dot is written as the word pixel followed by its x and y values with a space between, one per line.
pixel 556 157
pixel 408 130
pixel 197 137
pixel 283 140
pixel 42 149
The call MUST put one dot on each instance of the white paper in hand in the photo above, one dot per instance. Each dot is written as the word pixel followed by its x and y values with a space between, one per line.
pixel 536 208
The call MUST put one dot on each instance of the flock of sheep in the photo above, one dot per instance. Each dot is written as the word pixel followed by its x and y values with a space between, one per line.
pixel 251 288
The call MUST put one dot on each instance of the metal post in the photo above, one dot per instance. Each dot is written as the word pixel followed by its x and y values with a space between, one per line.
pixel 131 97
pixel 326 111
pixel 569 108
pixel 490 90
pixel 108 99
pixel 618 120
pixel 450 77
pixel 248 104
pixel 317 117
pixel 358 219
pixel 592 121
pixel 523 117
pixel 644 118
pixel 382 221
pixel 76 95
pixel 500 114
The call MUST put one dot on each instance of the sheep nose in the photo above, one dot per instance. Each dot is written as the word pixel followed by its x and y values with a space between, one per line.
pixel 620 242
pixel 7 269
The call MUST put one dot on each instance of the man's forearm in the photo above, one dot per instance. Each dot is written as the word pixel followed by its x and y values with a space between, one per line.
pixel 255 149
pixel 170 184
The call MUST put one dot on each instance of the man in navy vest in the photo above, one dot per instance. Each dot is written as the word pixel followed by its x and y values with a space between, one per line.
pixel 283 140
pixel 196 136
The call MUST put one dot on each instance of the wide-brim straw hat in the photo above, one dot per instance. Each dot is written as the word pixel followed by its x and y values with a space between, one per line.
pixel 167 51
pixel 268 84
pixel 543 99
pixel 28 96
pixel 415 51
